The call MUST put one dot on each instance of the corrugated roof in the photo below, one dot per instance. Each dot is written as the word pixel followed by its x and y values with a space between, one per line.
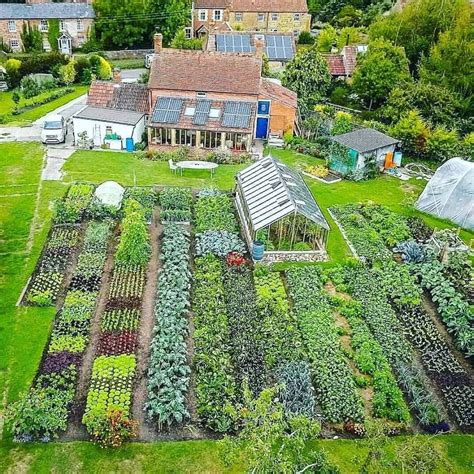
pixel 45 11
pixel 365 140
pixel 271 190
pixel 125 117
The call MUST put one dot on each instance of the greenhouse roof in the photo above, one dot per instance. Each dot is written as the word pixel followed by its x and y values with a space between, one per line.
pixel 272 190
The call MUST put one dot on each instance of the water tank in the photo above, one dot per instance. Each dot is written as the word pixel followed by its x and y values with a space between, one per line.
pixel 130 145
pixel 258 249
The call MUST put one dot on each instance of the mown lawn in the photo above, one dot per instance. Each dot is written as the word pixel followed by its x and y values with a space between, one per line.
pixel 99 166
pixel 195 456
pixel 7 104
pixel 23 331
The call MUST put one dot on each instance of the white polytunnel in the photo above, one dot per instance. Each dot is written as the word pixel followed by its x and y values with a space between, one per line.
pixel 450 193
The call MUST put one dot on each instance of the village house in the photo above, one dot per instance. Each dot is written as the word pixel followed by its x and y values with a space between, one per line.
pixel 211 16
pixel 115 114
pixel 212 100
pixel 74 20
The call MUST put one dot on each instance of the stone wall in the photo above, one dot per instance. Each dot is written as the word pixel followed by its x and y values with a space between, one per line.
pixel 128 54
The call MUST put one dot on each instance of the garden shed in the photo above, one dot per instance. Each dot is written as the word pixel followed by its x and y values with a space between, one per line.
pixel 110 193
pixel 277 208
pixel 449 194
pixel 352 150
pixel 112 127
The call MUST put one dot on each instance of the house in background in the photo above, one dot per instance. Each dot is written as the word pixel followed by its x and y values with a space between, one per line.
pixel 75 20
pixel 360 145
pixel 211 16
pixel 116 114
pixel 278 47
pixel 212 100
pixel 343 64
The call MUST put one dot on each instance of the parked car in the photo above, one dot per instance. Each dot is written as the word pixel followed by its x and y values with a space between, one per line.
pixel 54 129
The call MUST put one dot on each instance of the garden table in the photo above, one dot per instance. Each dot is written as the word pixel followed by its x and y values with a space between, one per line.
pixel 197 165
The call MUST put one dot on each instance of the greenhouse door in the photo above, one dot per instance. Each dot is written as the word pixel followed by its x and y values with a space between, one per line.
pixel 262 127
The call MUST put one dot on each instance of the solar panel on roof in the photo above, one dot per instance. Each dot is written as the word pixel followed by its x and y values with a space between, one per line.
pixel 233 43
pixel 279 47
pixel 201 115
pixel 168 109
pixel 237 114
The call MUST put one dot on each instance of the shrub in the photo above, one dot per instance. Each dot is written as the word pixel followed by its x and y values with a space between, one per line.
pixel 12 67
pixel 305 37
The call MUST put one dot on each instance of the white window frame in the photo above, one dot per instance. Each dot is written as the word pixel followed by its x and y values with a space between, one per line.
pixel 217 13
pixel 80 24
pixel 14 44
pixel 260 17
pixel 274 16
pixel 239 16
pixel 188 32
pixel 297 16
pixel 44 26
pixel 11 26
pixel 202 15
pixel 62 25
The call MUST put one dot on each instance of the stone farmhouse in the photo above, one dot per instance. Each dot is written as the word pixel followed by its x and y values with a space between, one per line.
pixel 209 100
pixel 212 16
pixel 75 19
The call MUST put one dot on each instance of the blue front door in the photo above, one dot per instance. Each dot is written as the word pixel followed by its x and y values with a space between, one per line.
pixel 262 127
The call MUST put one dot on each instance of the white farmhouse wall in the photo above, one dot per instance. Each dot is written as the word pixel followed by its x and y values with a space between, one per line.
pixel 93 126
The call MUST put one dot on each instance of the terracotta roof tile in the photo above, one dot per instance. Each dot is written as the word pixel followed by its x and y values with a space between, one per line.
pixel 100 93
pixel 278 92
pixel 349 54
pixel 206 71
pixel 335 64
pixel 122 96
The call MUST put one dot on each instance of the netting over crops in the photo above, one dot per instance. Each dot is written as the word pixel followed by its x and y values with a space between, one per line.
pixel 110 193
pixel 450 193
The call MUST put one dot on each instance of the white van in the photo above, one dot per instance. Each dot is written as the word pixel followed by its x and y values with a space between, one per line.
pixel 54 129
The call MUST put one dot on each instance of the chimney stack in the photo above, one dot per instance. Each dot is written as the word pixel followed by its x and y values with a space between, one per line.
pixel 158 42
pixel 259 48
pixel 117 75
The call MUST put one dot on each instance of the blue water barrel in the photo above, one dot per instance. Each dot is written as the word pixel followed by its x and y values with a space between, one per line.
pixel 130 145
pixel 397 158
pixel 258 249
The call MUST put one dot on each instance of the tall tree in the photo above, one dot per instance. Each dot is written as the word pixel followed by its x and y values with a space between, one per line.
pixel 451 59
pixel 418 25
pixel 170 16
pixel 122 24
pixel 382 68
pixel 307 74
